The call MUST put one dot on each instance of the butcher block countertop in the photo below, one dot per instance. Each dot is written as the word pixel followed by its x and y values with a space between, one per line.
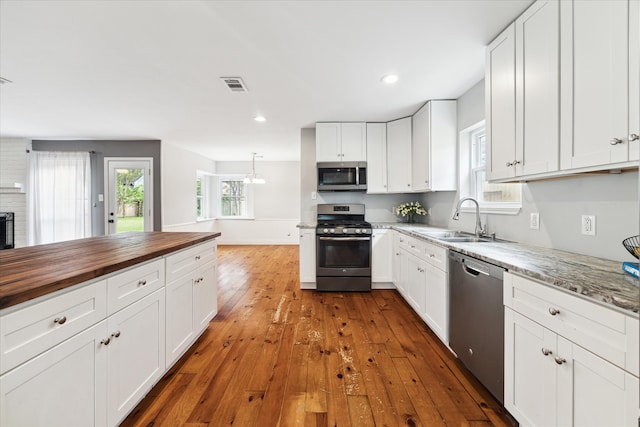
pixel 31 272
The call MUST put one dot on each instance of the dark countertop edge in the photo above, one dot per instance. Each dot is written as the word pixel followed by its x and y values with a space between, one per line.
pixel 472 249
pixel 10 300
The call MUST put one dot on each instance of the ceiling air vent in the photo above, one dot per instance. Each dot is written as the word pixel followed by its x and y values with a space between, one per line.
pixel 235 84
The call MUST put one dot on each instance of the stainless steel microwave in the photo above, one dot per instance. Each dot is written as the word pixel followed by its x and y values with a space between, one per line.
pixel 342 176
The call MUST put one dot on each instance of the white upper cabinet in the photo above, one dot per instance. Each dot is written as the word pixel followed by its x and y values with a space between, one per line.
pixel 399 156
pixel 599 80
pixel 537 91
pixel 376 157
pixel 500 101
pixel 341 142
pixel 433 147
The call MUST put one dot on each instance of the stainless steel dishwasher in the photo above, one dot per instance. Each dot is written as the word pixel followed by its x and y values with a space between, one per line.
pixel 476 319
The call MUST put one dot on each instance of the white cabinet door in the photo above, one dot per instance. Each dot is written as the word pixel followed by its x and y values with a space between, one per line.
pixel 179 318
pixel 595 39
pixel 417 284
pixel 434 147
pixel 354 142
pixel 381 258
pixel 537 89
pixel 399 155
pixel 398 255
pixel 529 374
pixel 588 384
pixel 376 157
pixel 328 142
pixel 205 302
pixel 420 149
pixel 437 302
pixel 500 102
pixel 307 255
pixel 136 354
pixel 64 386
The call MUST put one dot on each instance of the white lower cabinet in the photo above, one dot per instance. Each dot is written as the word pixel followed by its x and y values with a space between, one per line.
pixel 420 273
pixel 191 304
pixel 381 260
pixel 308 256
pixel 64 386
pixel 552 381
pixel 136 352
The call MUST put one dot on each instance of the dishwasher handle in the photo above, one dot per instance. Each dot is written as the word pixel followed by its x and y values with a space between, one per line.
pixel 473 269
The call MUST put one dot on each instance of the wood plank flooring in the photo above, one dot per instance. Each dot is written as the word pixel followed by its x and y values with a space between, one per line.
pixel 276 355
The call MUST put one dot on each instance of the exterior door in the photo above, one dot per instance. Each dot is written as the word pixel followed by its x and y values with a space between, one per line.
pixel 128 194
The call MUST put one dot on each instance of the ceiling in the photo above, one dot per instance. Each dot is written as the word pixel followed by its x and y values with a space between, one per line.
pixel 151 69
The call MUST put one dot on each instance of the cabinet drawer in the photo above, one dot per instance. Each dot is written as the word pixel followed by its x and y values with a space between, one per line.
pixel 131 285
pixel 188 260
pixel 416 247
pixel 436 256
pixel 29 331
pixel 609 334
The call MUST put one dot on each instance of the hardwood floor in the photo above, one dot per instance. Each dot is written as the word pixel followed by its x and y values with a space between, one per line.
pixel 279 356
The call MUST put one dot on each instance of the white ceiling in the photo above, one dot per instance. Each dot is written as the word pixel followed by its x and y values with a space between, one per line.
pixel 150 69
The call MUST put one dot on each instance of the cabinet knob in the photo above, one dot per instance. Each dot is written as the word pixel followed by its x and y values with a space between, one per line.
pixel 615 141
pixel 106 341
pixel 60 320
pixel 553 311
pixel 560 360
pixel 634 137
pixel 546 351
pixel 116 334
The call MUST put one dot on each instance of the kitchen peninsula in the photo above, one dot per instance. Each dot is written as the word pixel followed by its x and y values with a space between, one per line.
pixel 88 326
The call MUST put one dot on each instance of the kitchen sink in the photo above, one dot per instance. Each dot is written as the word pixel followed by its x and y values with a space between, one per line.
pixel 457 236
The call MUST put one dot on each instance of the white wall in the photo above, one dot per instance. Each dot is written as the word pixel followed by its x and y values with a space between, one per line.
pixel 178 182
pixel 276 207
pixel 13 171
pixel 612 198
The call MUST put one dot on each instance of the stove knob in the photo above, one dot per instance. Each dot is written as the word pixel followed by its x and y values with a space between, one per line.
pixel 345 230
pixel 357 231
pixel 332 230
pixel 325 230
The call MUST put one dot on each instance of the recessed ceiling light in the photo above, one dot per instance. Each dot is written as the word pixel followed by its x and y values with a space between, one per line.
pixel 260 119
pixel 389 78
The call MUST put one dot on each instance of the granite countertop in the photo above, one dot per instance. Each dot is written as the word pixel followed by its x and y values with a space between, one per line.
pixel 593 278
pixel 34 271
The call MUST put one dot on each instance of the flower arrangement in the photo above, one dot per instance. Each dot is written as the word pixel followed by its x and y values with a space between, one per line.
pixel 410 209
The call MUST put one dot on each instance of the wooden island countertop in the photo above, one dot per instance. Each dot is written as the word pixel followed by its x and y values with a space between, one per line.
pixel 34 271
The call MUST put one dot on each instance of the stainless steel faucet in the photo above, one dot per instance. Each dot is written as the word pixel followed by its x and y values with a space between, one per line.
pixel 479 230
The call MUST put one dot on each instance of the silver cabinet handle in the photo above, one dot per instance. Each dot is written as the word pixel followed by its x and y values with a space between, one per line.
pixel 106 341
pixel 615 141
pixel 634 137
pixel 515 162
pixel 560 360
pixel 197 257
pixel 546 351
pixel 142 282
pixel 116 334
pixel 553 311
pixel 60 320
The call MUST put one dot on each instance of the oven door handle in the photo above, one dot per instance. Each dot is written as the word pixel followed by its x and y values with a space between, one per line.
pixel 346 239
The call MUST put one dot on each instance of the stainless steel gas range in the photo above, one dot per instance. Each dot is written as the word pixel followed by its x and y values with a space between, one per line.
pixel 343 248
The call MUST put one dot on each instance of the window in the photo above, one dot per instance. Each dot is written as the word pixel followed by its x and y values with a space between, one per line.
pixel 235 197
pixel 492 197
pixel 205 186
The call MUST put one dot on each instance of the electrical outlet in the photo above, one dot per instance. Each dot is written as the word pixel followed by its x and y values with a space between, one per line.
pixel 314 195
pixel 534 221
pixel 589 225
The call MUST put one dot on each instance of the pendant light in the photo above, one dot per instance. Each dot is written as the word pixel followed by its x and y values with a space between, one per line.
pixel 254 178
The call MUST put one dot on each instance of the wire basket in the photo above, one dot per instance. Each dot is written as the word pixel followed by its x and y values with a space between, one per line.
pixel 632 244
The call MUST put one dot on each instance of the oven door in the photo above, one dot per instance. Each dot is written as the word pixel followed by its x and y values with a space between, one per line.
pixel 343 256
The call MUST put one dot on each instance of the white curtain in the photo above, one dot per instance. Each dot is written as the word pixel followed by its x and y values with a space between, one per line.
pixel 58 196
